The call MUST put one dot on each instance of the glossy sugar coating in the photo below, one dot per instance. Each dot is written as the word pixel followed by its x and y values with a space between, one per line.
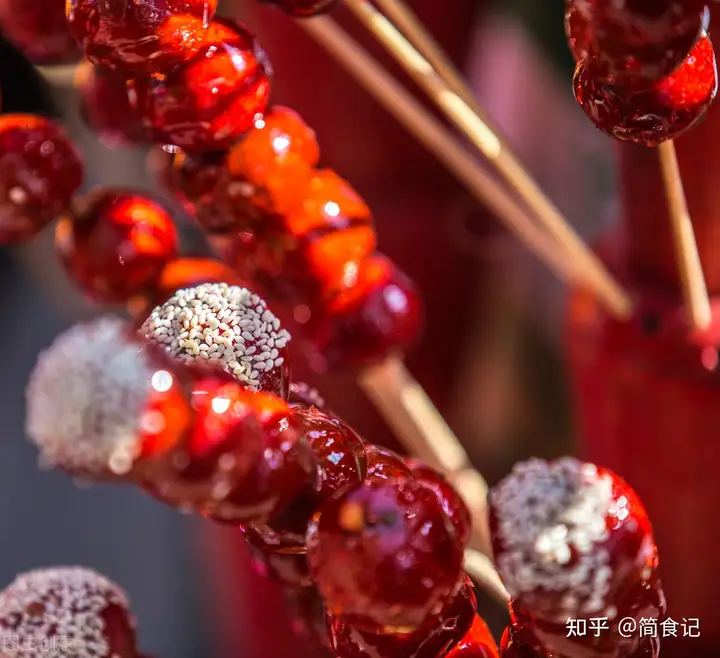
pixel 40 171
pixel 137 38
pixel 438 633
pixel 303 395
pixel 39 30
pixel 652 115
pixel 210 101
pixel 385 464
pixel 290 569
pixel 340 456
pixel 478 642
pixel 633 42
pixel 66 612
pixel 377 315
pixel 97 395
pixel 116 244
pixel 106 108
pixel 384 556
pixel 303 8
pixel 225 326
pixel 452 503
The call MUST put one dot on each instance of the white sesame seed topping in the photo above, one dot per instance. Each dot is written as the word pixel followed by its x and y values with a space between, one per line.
pixel 215 317
pixel 61 607
pixel 86 398
pixel 552 523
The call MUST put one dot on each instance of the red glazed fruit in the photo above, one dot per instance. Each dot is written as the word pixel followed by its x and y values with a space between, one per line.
pixel 39 173
pixel 571 540
pixel 379 315
pixel 476 643
pixel 655 114
pixel 384 464
pixel 39 30
pixel 115 244
pixel 228 327
pixel 290 569
pixel 384 556
pixel 303 8
pixel 634 42
pixel 71 609
pixel 454 506
pixel 105 107
pixel 214 98
pixel 340 456
pixel 139 37
pixel 98 395
pixel 434 638
pixel 303 395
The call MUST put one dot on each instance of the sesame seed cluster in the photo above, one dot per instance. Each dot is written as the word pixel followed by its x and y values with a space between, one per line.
pixel 86 397
pixel 552 522
pixel 65 604
pixel 222 325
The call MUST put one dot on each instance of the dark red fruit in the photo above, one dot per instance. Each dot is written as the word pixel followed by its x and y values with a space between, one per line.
pixel 378 315
pixel 384 464
pixel 106 108
pixel 571 540
pixel 304 395
pixel 303 8
pixel 478 642
pixel 340 456
pixel 115 244
pixel 69 609
pixel 139 37
pixel 385 555
pixel 634 42
pixel 39 30
pixel 434 638
pixel 215 97
pixel 655 114
pixel 39 173
pixel 452 503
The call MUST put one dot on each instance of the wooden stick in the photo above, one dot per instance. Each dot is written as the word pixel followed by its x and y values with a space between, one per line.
pixel 688 259
pixel 442 143
pixel 488 143
pixel 425 434
pixel 480 568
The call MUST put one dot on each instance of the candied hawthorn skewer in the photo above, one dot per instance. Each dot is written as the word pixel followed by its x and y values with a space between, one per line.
pixel 573 541
pixel 66 611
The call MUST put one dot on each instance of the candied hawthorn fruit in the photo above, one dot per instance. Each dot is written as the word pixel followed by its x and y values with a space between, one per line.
pixel 303 8
pixel 39 30
pixel 40 172
pixel 148 37
pixel 97 395
pixel 384 556
pixel 212 99
pixel 340 457
pixel 384 464
pixel 452 503
pixel 633 42
pixel 652 115
pixel 106 108
pixel 478 642
pixel 63 606
pixel 303 395
pixel 377 315
pixel 569 539
pixel 116 244
pixel 434 638
pixel 225 326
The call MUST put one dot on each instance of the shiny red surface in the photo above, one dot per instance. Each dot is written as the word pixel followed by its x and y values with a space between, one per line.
pixel 303 8
pixel 138 38
pixel 40 171
pixel 652 115
pixel 434 638
pixel 213 98
pixel 384 464
pixel 633 42
pixel 478 642
pixel 116 244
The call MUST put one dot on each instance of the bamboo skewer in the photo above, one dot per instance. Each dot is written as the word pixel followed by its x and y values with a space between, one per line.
pixel 688 259
pixel 488 143
pixel 480 568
